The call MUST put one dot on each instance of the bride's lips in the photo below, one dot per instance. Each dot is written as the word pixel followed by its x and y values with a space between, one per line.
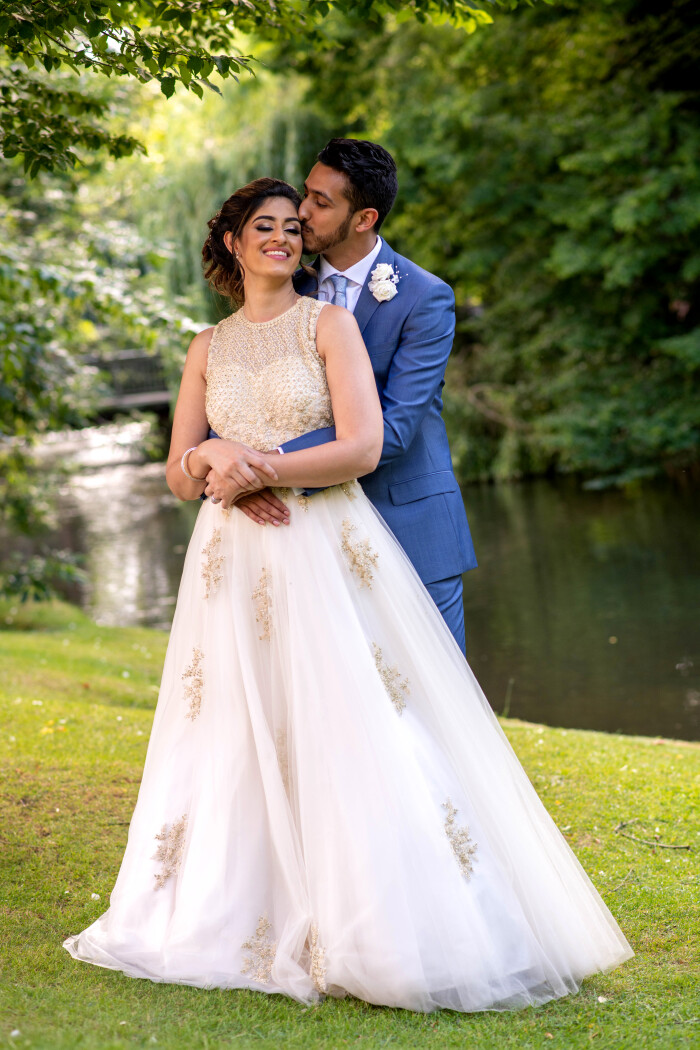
pixel 278 253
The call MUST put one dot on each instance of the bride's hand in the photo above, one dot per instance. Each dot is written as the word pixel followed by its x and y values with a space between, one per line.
pixel 226 492
pixel 236 464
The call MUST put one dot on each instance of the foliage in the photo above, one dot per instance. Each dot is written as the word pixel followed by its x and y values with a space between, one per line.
pixel 198 153
pixel 549 171
pixel 48 119
pixel 72 286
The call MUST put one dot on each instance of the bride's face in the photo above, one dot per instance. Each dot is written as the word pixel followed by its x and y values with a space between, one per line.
pixel 270 244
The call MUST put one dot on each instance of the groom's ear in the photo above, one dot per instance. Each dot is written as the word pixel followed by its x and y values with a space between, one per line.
pixel 366 219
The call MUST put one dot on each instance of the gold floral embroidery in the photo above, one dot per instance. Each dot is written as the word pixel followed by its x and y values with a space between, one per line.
pixel 350 489
pixel 396 686
pixel 303 502
pixel 317 969
pixel 195 685
pixel 262 953
pixel 211 571
pixel 282 757
pixel 462 845
pixel 169 853
pixel 282 494
pixel 263 601
pixel 359 554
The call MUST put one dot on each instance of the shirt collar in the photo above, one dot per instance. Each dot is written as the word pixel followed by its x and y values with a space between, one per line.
pixel 357 272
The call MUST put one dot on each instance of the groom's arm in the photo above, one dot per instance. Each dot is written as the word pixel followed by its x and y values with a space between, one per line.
pixel 417 368
pixel 310 440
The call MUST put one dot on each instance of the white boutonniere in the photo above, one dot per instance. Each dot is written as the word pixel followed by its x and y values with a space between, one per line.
pixel 383 282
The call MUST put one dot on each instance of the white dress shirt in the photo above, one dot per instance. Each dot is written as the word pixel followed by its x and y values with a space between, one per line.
pixel 356 275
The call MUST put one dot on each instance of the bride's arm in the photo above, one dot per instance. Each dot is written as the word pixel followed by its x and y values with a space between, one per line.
pixel 236 463
pixel 359 428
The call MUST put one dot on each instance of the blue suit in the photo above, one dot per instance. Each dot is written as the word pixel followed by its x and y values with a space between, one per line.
pixel 409 339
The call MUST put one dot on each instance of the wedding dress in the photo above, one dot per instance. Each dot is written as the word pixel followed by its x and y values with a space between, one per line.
pixel 328 803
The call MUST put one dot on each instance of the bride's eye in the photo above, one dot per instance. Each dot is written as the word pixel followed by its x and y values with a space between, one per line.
pixel 293 229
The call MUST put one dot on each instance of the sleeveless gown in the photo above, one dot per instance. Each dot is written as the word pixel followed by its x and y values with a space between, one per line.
pixel 329 805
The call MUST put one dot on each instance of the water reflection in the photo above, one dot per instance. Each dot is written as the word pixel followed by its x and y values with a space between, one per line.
pixel 134 534
pixel 583 611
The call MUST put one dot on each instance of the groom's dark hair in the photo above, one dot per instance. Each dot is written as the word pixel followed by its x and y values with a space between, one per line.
pixel 370 174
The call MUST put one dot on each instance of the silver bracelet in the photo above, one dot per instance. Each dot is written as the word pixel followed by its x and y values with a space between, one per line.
pixel 183 464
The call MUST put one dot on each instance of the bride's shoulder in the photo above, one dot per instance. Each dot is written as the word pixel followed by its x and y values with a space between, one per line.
pixel 336 328
pixel 198 350
pixel 334 319
pixel 201 341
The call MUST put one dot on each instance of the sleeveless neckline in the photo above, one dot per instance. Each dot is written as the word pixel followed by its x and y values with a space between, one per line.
pixel 274 320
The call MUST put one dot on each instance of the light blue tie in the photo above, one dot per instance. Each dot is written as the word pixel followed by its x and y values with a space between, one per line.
pixel 340 283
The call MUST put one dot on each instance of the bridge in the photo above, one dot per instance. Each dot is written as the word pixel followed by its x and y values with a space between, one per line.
pixel 134 380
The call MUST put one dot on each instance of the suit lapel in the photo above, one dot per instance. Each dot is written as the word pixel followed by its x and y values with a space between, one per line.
pixel 367 304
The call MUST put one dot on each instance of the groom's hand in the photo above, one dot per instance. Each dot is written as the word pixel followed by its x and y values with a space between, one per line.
pixel 262 507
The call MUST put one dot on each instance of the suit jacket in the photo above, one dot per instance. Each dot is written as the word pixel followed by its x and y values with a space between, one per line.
pixel 409 339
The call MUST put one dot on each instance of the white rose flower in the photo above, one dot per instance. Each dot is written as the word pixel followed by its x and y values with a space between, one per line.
pixel 383 272
pixel 383 291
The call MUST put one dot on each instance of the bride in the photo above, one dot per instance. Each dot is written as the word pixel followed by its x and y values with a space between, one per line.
pixel 328 805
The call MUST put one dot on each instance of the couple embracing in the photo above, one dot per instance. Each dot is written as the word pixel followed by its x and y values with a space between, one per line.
pixel 328 804
pixel 406 319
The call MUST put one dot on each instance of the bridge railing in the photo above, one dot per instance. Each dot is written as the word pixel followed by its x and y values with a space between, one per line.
pixel 134 380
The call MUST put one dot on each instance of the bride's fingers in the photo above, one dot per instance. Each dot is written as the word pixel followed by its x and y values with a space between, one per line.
pixel 259 464
pixel 250 475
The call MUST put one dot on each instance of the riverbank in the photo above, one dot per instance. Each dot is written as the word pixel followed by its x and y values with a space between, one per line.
pixel 77 704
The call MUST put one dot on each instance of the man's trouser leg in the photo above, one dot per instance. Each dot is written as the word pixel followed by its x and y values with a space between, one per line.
pixel 447 595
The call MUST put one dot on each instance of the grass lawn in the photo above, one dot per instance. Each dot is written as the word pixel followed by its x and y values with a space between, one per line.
pixel 77 702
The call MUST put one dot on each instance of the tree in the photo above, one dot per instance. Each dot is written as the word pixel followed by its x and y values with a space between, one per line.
pixel 50 117
pixel 550 171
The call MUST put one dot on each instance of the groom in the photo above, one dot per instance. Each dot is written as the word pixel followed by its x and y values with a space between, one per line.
pixel 406 317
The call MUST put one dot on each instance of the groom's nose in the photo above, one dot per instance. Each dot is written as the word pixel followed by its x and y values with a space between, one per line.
pixel 304 210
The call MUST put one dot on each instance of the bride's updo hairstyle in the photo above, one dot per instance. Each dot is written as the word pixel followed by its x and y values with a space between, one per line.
pixel 221 267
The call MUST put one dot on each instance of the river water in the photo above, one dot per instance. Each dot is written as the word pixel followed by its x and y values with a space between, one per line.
pixel 583 611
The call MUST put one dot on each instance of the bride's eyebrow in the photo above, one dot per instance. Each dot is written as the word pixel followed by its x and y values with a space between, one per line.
pixel 292 218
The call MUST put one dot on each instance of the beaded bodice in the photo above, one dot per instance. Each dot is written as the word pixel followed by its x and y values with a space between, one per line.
pixel 266 383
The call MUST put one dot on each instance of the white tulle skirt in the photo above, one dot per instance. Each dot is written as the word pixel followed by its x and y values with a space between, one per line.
pixel 328 803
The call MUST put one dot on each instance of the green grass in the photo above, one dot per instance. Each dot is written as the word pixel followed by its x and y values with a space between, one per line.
pixel 77 702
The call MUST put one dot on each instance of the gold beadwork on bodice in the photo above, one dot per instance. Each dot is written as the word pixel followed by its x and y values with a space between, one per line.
pixel 266 383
